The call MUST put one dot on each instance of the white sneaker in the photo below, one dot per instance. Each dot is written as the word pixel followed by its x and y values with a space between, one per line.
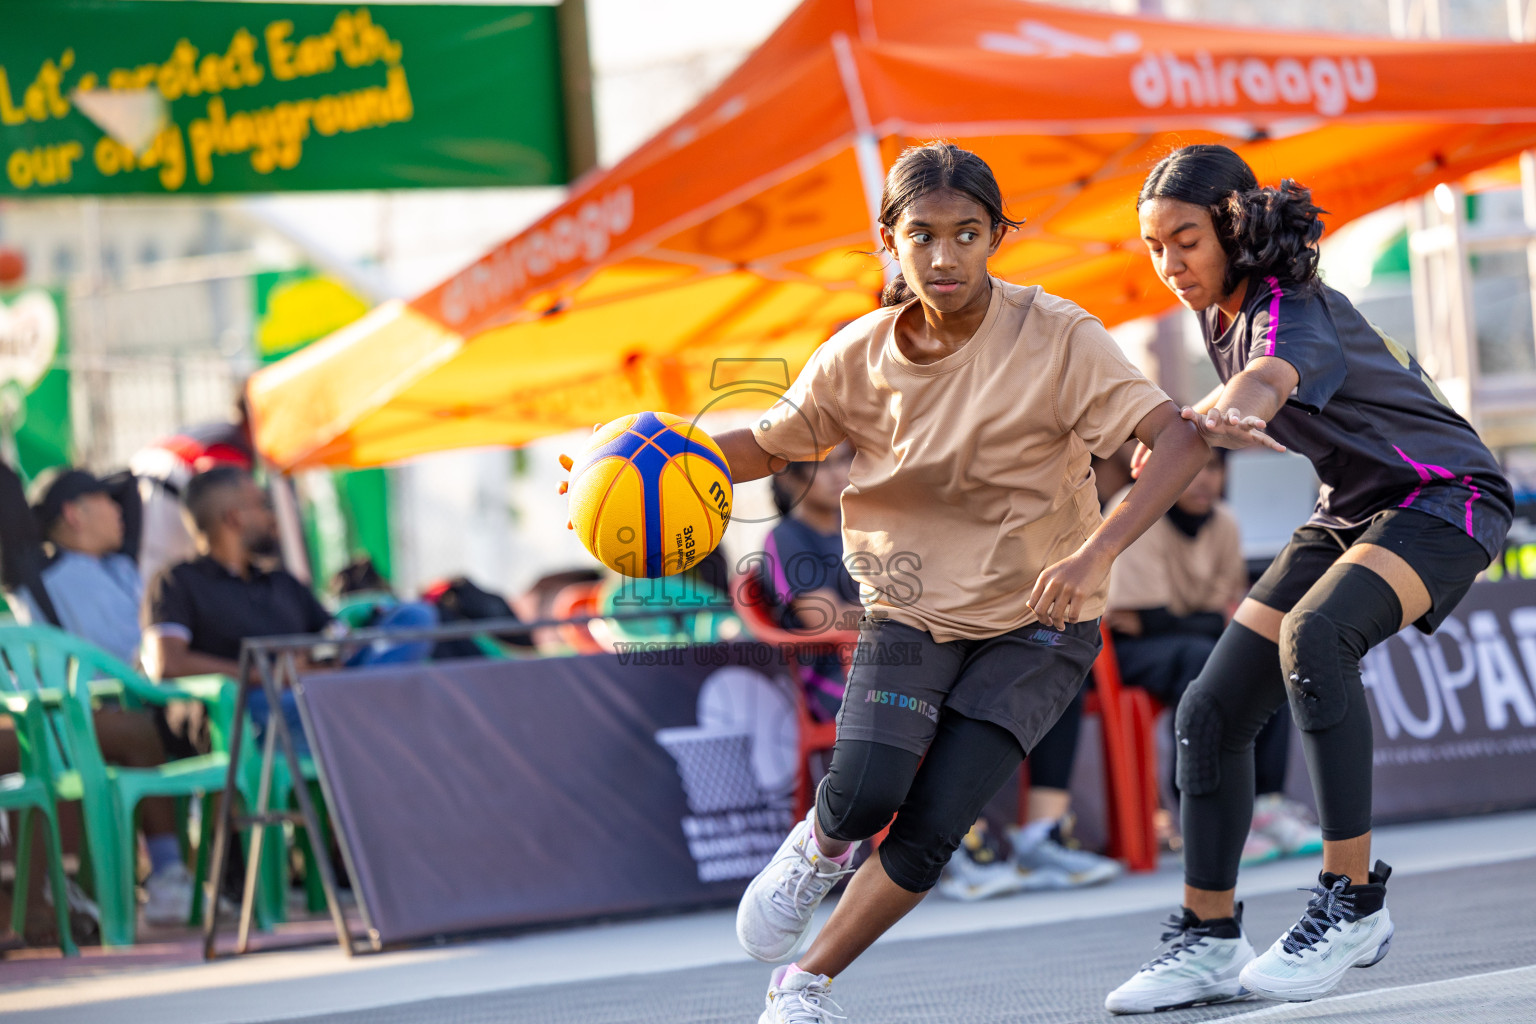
pixel 1331 937
pixel 799 997
pixel 1047 864
pixel 773 919
pixel 1285 823
pixel 170 896
pixel 1200 964
pixel 966 880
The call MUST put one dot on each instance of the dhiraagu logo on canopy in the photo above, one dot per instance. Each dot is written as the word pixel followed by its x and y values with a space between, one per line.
pixel 1325 84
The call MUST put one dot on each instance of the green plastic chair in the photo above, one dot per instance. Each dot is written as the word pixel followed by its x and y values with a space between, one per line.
pixel 707 614
pixel 40 659
pixel 30 793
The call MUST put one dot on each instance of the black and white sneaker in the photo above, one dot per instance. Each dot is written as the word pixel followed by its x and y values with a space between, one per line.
pixel 1344 926
pixel 1200 964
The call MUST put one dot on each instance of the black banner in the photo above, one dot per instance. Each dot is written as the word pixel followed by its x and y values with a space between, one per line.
pixel 1455 712
pixel 478 795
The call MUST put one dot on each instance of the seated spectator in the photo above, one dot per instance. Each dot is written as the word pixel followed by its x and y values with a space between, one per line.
pixel 805 571
pixel 197 613
pixel 89 574
pixel 460 600
pixel 538 604
pixel 1044 853
pixel 89 582
pixel 702 592
pixel 1170 595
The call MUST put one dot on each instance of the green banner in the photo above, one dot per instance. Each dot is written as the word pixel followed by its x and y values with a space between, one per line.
pixel 175 96
pixel 34 383
pixel 345 512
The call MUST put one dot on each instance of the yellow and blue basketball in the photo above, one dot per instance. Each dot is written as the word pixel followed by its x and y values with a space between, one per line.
pixel 651 495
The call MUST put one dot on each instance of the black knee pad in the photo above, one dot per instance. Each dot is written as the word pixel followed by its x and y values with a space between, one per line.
pixel 1345 613
pixel 1310 649
pixel 863 789
pixel 1199 729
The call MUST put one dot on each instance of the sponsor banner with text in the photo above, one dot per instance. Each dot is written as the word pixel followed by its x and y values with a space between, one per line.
pixel 1455 712
pixel 150 96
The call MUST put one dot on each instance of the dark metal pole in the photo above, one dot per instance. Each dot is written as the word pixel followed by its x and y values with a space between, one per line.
pixel 225 825
pixel 289 673
pixel 576 86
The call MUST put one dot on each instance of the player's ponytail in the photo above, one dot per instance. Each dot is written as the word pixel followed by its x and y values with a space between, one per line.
pixel 1265 232
pixel 1275 233
pixel 896 292
pixel 936 167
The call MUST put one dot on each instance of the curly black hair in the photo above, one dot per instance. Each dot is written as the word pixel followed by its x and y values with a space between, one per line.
pixel 1265 232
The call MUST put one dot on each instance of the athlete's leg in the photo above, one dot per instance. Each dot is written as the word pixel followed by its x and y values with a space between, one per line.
pixel 864 786
pixel 1368 595
pixel 1217 720
pixel 1375 589
pixel 889 716
pixel 1271 754
pixel 966 764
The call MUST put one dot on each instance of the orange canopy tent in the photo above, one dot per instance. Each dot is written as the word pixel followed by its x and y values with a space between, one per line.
pixel 742 232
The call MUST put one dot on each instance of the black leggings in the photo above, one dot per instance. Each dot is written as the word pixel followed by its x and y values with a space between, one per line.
pixel 1165 666
pixel 935 798
pixel 1050 763
pixel 1316 666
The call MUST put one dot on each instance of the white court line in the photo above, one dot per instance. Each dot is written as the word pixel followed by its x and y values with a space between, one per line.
pixel 1328 1001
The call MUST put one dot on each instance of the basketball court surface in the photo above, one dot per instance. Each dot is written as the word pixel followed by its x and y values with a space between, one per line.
pixel 1463 897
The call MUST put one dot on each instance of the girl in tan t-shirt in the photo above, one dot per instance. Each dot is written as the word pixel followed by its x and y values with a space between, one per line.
pixel 972 406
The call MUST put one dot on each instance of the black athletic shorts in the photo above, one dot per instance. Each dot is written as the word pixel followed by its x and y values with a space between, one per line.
pixel 1445 558
pixel 1022 681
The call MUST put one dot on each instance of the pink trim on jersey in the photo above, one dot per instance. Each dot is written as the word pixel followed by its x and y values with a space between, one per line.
pixel 1424 471
pixel 1274 314
pixel 780 578
pixel 1468 481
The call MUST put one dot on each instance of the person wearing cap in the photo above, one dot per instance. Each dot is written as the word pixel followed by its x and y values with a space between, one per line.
pixel 90 581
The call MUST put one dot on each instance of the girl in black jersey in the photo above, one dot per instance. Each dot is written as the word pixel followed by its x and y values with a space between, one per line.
pixel 1413 506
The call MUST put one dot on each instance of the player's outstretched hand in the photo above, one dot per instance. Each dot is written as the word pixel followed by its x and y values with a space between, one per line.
pixel 1229 428
pixel 1064 588
pixel 566 462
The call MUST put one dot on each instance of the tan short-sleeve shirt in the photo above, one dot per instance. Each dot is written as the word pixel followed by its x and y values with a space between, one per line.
pixel 970 474
pixel 1166 568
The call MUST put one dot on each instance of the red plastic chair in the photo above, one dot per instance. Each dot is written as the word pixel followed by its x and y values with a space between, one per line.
pixel 750 599
pixel 1128 716
pixel 579 600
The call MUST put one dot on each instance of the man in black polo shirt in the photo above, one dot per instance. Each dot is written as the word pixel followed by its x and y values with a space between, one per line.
pixel 196 613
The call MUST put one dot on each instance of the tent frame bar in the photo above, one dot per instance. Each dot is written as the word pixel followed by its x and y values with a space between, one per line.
pixel 866 144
